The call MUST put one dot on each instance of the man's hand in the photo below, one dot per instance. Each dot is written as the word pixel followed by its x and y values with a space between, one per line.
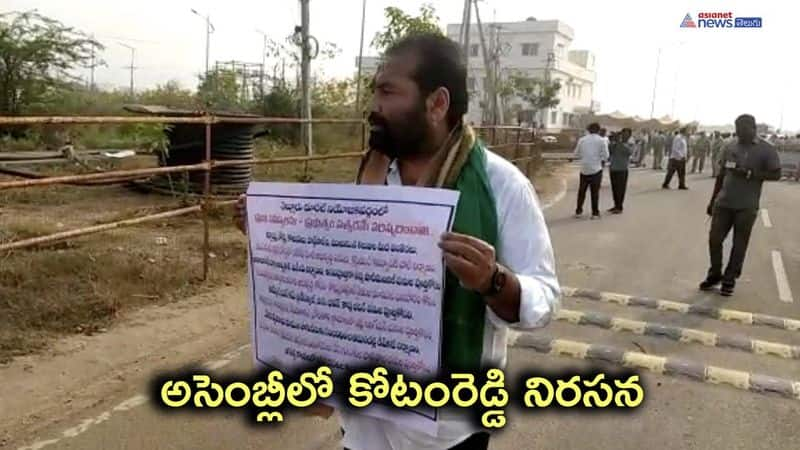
pixel 470 259
pixel 240 214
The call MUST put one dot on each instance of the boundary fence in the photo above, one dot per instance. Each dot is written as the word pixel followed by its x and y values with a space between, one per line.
pixel 507 141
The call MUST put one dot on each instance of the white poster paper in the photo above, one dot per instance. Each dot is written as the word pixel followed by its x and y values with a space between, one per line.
pixel 349 276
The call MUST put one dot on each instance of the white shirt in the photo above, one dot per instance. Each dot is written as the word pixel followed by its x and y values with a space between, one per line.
pixel 524 247
pixel 679 147
pixel 592 150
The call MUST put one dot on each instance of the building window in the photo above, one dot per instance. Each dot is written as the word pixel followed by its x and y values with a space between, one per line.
pixel 473 50
pixel 471 84
pixel 560 50
pixel 530 49
pixel 565 121
pixel 554 118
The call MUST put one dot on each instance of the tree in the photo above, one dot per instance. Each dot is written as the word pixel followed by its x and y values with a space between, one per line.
pixel 36 56
pixel 401 24
pixel 537 93
pixel 219 89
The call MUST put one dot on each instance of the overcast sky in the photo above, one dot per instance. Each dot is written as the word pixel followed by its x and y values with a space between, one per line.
pixel 720 73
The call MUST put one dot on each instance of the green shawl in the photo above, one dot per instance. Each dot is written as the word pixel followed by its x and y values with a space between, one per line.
pixel 461 165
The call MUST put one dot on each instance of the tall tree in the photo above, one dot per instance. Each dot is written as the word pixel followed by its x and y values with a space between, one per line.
pixel 37 55
pixel 400 24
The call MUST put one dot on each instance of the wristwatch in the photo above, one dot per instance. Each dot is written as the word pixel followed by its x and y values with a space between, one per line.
pixel 497 282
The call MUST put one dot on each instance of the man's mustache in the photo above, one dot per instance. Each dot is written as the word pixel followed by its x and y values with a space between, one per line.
pixel 375 119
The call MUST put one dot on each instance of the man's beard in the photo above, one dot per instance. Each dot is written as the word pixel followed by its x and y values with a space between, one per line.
pixel 403 137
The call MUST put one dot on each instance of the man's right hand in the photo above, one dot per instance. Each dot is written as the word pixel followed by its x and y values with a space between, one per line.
pixel 240 214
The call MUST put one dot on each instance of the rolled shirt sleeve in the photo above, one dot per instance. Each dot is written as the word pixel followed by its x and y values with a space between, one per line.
pixel 524 247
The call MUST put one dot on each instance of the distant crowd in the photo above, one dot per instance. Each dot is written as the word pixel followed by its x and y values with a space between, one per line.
pixel 739 161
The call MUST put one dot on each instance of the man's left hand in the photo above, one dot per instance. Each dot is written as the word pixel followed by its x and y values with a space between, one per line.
pixel 470 259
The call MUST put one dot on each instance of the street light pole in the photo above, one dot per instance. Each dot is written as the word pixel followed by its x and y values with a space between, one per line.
pixel 209 30
pixel 655 83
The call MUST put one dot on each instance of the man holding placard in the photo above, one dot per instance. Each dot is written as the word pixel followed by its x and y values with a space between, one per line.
pixel 499 258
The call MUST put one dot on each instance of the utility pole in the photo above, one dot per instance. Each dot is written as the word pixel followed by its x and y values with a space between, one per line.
pixel 91 67
pixel 360 56
pixel 306 76
pixel 489 87
pixel 263 60
pixel 465 30
pixel 655 82
pixel 496 52
pixel 551 58
pixel 132 67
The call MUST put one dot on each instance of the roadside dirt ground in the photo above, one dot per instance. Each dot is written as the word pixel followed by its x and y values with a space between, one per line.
pixel 164 315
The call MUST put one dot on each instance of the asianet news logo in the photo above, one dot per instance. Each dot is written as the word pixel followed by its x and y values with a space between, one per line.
pixel 720 20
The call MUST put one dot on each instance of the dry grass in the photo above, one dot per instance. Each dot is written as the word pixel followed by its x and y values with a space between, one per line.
pixel 82 285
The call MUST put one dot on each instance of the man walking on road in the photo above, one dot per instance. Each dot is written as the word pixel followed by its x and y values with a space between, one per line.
pixel 658 150
pixel 499 258
pixel 591 150
pixel 743 167
pixel 620 151
pixel 677 161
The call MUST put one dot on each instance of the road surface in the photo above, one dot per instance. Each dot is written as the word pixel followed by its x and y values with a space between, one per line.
pixel 89 392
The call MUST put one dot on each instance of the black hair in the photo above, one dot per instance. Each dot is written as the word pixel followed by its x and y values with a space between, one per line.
pixel 746 118
pixel 593 128
pixel 440 63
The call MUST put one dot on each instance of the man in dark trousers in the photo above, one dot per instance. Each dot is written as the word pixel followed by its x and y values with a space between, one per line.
pixel 592 151
pixel 744 165
pixel 659 141
pixel 677 160
pixel 700 151
pixel 619 161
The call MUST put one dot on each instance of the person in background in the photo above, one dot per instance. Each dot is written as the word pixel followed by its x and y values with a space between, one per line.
pixel 668 139
pixel 604 134
pixel 591 150
pixel 658 150
pixel 744 165
pixel 644 148
pixel 700 151
pixel 677 161
pixel 716 149
pixel 620 151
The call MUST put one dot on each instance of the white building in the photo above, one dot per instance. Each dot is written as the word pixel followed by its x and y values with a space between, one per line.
pixel 532 48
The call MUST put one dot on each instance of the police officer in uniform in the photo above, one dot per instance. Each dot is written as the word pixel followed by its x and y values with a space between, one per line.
pixel 659 141
pixel 744 165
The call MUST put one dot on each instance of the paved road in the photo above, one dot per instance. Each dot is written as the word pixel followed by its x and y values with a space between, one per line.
pixel 657 248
